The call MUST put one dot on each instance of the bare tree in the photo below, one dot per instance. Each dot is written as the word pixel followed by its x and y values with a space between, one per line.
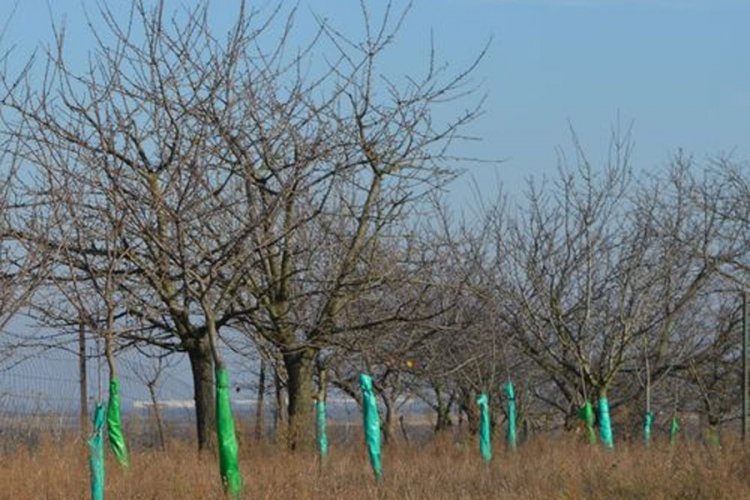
pixel 384 151
pixel 149 372
pixel 245 187
pixel 23 267
pixel 594 274
pixel 133 141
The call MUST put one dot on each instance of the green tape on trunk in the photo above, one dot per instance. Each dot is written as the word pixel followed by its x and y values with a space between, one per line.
pixel 586 414
pixel 320 414
pixel 114 425
pixel 712 436
pixel 648 423
pixel 228 468
pixel 510 434
pixel 485 445
pixel 674 429
pixel 372 424
pixel 605 425
pixel 96 454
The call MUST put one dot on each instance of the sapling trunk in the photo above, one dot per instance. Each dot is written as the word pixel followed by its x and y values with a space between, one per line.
pixel 227 439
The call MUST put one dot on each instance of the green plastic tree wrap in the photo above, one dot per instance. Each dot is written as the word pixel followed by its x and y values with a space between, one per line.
pixel 712 435
pixel 320 414
pixel 96 454
pixel 586 414
pixel 485 445
pixel 510 434
pixel 230 472
pixel 605 426
pixel 372 424
pixel 114 425
pixel 648 422
pixel 674 429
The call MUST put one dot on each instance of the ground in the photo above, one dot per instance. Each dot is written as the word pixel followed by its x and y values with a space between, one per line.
pixel 544 468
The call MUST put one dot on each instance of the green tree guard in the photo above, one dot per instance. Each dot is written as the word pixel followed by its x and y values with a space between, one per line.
pixel 605 426
pixel 648 422
pixel 320 415
pixel 712 435
pixel 372 424
pixel 228 468
pixel 674 429
pixel 114 425
pixel 510 434
pixel 485 445
pixel 96 454
pixel 586 414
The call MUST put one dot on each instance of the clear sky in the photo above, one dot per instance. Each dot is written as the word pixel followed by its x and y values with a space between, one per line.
pixel 677 69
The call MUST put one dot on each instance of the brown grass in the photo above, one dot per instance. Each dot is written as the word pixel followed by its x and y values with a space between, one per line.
pixel 545 468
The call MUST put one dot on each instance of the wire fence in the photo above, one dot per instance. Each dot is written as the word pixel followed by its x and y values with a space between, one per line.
pixel 41 396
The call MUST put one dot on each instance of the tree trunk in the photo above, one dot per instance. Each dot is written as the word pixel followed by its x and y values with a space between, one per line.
pixel 525 430
pixel 157 414
pixel 259 402
pixel 444 421
pixel 442 410
pixel 82 382
pixel 471 410
pixel 299 365
pixel 389 423
pixel 571 422
pixel 523 422
pixel 279 410
pixel 202 367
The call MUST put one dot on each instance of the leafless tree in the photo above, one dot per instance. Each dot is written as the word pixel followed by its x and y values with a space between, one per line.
pixel 384 151
pixel 599 268
pixel 244 185
pixel 22 267
pixel 132 143
pixel 150 370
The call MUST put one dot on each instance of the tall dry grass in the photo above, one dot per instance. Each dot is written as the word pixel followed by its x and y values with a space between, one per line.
pixel 544 468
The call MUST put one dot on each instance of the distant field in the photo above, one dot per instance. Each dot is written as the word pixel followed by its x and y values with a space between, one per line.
pixel 544 468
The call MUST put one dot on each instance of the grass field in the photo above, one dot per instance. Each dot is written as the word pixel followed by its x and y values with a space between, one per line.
pixel 543 468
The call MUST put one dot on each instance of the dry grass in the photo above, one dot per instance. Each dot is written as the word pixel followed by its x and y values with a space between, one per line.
pixel 542 469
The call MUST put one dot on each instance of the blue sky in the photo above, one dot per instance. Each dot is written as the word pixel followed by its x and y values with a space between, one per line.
pixel 677 69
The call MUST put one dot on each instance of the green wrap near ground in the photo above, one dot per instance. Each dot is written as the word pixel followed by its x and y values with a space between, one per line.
pixel 372 424
pixel 320 416
pixel 648 422
pixel 230 472
pixel 712 435
pixel 96 454
pixel 586 414
pixel 114 426
pixel 605 426
pixel 674 429
pixel 510 434
pixel 485 445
